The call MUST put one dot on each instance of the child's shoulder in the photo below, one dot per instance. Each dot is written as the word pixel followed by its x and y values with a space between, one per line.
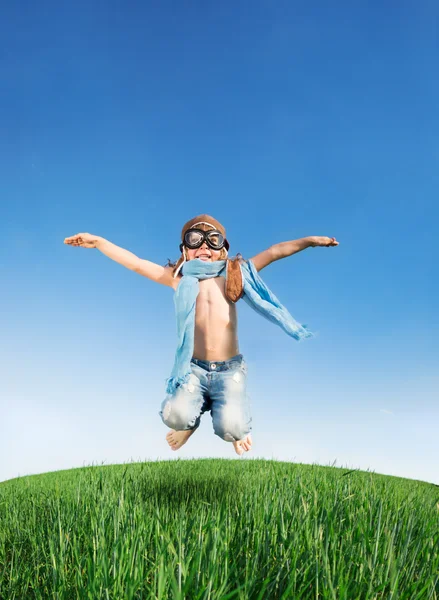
pixel 173 281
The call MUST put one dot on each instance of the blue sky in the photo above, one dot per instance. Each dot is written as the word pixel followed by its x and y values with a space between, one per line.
pixel 282 120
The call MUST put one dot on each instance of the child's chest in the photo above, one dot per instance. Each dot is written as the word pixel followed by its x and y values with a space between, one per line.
pixel 213 308
pixel 212 292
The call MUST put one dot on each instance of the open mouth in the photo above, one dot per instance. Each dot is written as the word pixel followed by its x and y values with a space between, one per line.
pixel 204 256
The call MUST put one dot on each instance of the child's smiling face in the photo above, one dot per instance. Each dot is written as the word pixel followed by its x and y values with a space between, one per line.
pixel 204 253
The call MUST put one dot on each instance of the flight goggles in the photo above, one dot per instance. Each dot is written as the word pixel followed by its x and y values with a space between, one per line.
pixel 194 238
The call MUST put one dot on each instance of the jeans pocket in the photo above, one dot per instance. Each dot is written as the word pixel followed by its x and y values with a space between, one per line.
pixel 243 367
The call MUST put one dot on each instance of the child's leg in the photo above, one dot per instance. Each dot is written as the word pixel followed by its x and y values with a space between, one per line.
pixel 231 406
pixel 182 410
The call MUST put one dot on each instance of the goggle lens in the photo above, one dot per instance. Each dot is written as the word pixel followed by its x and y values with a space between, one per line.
pixel 216 239
pixel 192 238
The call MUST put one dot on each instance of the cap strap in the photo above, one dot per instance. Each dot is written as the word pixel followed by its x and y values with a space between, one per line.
pixel 202 223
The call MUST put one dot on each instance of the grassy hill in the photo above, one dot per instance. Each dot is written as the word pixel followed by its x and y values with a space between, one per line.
pixel 218 529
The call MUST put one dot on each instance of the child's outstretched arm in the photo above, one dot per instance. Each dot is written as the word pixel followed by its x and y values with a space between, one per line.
pixel 124 257
pixel 284 249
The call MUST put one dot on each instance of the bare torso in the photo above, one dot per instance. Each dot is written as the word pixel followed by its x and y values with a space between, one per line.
pixel 216 324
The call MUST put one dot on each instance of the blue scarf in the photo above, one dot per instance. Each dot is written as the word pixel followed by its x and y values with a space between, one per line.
pixel 256 294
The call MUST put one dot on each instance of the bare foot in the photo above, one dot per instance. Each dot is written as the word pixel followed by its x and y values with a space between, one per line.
pixel 243 445
pixel 176 439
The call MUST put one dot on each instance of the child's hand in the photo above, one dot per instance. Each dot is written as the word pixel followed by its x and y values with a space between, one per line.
pixel 86 240
pixel 317 240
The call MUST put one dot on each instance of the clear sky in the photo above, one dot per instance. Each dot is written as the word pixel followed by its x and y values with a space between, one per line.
pixel 282 120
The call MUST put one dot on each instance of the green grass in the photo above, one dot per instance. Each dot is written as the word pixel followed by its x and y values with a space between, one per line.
pixel 218 529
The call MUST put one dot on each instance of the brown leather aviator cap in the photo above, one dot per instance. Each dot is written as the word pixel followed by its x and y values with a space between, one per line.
pixel 234 283
pixel 207 219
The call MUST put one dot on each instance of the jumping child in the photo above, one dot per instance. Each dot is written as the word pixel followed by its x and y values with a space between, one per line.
pixel 209 373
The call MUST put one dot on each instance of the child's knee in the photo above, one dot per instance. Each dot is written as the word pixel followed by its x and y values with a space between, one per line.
pixel 176 416
pixel 232 433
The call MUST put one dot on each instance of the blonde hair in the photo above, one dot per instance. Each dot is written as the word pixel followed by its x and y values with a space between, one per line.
pixel 183 257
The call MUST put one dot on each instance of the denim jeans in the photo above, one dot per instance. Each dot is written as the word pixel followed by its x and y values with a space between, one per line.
pixel 216 386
